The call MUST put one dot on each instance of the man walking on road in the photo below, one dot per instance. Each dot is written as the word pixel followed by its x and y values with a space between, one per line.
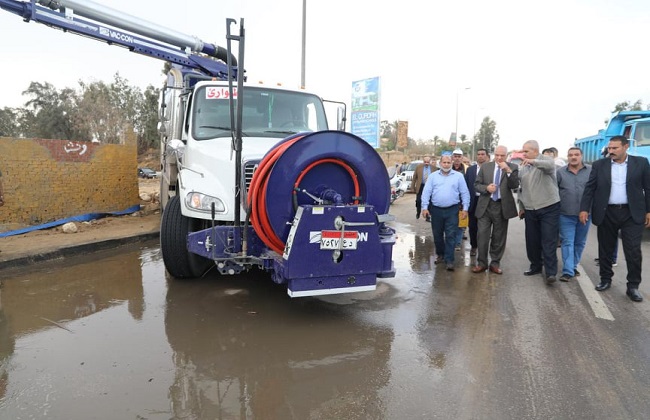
pixel 496 205
pixel 458 166
pixel 618 195
pixel 539 205
pixel 571 181
pixel 444 191
pixel 482 156
pixel 420 175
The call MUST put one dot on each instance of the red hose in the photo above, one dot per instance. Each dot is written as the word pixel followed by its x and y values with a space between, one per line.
pixel 257 194
pixel 259 185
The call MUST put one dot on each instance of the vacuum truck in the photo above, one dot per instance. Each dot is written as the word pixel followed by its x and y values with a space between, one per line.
pixel 252 176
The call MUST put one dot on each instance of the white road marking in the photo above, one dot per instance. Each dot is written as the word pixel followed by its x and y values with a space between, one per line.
pixel 593 297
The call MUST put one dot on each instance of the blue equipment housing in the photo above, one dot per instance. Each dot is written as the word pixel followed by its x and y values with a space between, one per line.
pixel 328 246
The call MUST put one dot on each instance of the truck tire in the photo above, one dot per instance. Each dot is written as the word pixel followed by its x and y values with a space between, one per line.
pixel 174 227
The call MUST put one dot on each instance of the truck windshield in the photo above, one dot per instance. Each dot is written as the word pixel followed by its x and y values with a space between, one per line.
pixel 266 112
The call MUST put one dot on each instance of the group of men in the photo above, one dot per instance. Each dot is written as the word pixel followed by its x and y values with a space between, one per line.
pixel 556 203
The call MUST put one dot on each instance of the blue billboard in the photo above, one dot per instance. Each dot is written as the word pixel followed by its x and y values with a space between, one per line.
pixel 365 110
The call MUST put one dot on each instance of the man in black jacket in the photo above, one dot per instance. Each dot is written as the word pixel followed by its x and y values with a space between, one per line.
pixel 618 196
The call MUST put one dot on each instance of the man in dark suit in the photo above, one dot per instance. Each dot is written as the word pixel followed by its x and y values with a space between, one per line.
pixel 420 175
pixel 496 206
pixel 482 156
pixel 618 196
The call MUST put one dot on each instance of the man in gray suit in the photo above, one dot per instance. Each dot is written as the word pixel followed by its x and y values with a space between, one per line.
pixel 496 205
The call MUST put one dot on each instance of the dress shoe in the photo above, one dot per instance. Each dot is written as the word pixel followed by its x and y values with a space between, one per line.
pixel 550 279
pixel 634 294
pixel 439 260
pixel 450 267
pixel 604 285
pixel 417 215
pixel 496 270
pixel 531 272
pixel 479 269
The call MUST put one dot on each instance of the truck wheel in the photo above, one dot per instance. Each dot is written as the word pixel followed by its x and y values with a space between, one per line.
pixel 174 227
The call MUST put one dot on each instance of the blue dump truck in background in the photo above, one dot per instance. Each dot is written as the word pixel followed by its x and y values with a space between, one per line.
pixel 635 125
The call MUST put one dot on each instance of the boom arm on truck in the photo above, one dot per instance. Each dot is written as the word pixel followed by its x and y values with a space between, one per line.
pixel 116 28
pixel 315 200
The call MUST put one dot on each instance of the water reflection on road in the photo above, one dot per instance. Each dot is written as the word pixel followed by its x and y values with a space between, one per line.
pixel 109 336
pixel 249 351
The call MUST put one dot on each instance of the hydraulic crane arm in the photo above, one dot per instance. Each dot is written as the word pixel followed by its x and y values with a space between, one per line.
pixel 116 28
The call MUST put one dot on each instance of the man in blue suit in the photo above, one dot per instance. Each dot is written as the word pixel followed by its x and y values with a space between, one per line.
pixel 618 196
pixel 482 156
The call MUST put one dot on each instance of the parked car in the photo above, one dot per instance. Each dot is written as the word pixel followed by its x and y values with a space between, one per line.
pixel 515 157
pixel 407 174
pixel 146 173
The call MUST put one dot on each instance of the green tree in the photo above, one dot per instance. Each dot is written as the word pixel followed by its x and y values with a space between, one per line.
pixel 148 118
pixel 389 131
pixel 626 106
pixel 9 122
pixel 95 111
pixel 487 136
pixel 49 113
pixel 99 115
pixel 107 110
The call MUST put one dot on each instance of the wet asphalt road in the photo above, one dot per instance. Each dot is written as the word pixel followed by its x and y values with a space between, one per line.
pixel 109 336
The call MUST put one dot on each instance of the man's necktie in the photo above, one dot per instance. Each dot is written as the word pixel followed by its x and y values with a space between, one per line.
pixel 497 181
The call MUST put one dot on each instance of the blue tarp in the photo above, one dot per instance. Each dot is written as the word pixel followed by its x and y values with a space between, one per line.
pixel 80 218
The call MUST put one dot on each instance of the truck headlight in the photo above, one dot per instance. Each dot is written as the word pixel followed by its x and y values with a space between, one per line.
pixel 202 202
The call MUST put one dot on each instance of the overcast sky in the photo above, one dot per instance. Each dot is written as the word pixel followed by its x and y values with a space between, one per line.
pixel 550 71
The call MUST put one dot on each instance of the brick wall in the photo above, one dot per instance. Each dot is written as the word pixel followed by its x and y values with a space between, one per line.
pixel 48 180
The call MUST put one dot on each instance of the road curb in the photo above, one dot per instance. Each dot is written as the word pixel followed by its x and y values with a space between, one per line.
pixel 76 250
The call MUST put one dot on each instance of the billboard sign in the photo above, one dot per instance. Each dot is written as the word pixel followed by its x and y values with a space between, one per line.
pixel 365 110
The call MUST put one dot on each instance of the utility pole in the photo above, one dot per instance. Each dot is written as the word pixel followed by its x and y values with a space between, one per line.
pixel 474 139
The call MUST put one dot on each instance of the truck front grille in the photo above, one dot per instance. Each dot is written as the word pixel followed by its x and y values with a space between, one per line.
pixel 249 169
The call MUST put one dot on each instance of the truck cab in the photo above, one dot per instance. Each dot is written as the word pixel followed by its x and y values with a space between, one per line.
pixel 202 140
